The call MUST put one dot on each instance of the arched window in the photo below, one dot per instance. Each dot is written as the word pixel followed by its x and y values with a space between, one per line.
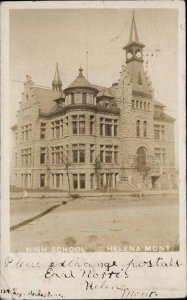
pixel 140 104
pixel 145 106
pixel 137 104
pixel 138 128
pixel 145 128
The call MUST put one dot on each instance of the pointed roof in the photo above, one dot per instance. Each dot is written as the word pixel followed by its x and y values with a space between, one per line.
pixel 81 82
pixel 133 37
pixel 56 79
pixel 133 33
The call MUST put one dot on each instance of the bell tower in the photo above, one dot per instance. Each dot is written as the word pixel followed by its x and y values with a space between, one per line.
pixel 134 48
pixel 57 83
pixel 134 62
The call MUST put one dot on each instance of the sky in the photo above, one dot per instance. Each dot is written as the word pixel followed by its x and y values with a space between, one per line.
pixel 38 38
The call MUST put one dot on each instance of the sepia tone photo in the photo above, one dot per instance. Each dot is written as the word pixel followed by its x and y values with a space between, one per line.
pixel 94 130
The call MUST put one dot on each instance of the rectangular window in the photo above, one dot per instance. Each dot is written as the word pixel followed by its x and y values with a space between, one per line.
pixel 160 156
pixel 84 96
pixel 109 180
pixel 82 181
pixel 57 129
pixel 43 156
pixel 81 127
pixel 101 129
pixel 75 131
pixel 92 181
pixel 42 180
pixel 159 132
pixel 75 181
pixel 42 131
pixel 57 180
pixel 72 98
pixel 75 156
pixel 108 156
pixel 108 130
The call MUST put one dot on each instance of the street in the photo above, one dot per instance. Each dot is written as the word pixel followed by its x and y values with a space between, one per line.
pixel 96 225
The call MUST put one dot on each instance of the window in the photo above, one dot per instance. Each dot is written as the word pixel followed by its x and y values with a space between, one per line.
pixel 149 106
pixel 109 182
pixel 42 131
pixel 43 156
pixel 133 106
pixel 115 128
pixel 57 180
pixel 75 181
pixel 92 151
pixel 145 105
pixel 108 127
pixel 159 132
pixel 92 119
pixel 82 181
pixel 42 180
pixel 72 98
pixel 108 154
pixel 160 155
pixel 84 96
pixel 26 132
pixel 78 124
pixel 140 104
pixel 145 128
pixel 78 153
pixel 137 102
pixel 138 128
pixel 92 181
pixel 57 129
pixel 26 157
pixel 57 155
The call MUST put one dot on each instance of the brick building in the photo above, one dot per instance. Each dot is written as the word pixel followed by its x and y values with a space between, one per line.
pixel 117 137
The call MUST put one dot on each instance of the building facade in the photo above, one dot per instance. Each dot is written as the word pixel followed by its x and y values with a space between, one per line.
pixel 117 137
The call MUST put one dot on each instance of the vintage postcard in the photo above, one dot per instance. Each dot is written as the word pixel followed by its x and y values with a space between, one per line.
pixel 93 150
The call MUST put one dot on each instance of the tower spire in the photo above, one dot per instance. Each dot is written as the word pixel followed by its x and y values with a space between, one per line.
pixel 133 32
pixel 57 83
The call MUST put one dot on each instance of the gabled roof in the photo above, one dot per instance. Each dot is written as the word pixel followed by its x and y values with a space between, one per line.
pixel 105 93
pixel 45 98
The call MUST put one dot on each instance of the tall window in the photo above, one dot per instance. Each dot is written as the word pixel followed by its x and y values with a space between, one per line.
pixel 92 181
pixel 160 155
pixel 82 181
pixel 108 154
pixel 79 181
pixel 57 129
pixel 43 155
pixel 140 104
pixel 78 124
pixel 26 132
pixel 145 105
pixel 159 132
pixel 72 98
pixel 26 157
pixel 137 102
pixel 78 153
pixel 57 180
pixel 42 180
pixel 138 128
pixel 92 152
pixel 108 127
pixel 133 106
pixel 145 128
pixel 92 119
pixel 75 181
pixel 57 155
pixel 84 96
pixel 42 131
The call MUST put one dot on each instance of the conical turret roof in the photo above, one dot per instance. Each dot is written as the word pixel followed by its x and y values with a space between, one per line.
pixel 80 82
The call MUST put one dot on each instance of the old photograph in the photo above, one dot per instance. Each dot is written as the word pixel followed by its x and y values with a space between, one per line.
pixel 94 130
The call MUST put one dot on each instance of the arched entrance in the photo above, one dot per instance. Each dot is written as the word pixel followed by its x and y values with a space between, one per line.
pixel 141 158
